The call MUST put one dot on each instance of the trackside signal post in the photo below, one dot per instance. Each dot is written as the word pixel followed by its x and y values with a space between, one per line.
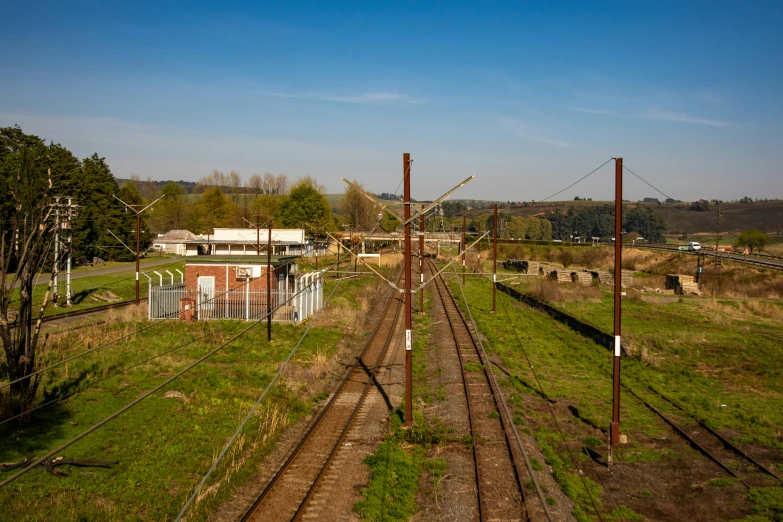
pixel 406 169
pixel 614 435
pixel 421 261
pixel 494 257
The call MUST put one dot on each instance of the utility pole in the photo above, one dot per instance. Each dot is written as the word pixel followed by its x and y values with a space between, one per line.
pixel 462 248
pixel 494 258
pixel 269 284
pixel 56 266
pixel 138 211
pixel 718 265
pixel 406 167
pixel 614 436
pixel 258 227
pixel 421 261
pixel 69 228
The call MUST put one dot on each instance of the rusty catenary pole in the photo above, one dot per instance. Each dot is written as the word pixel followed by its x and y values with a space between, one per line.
pixel 494 257
pixel 421 261
pixel 138 250
pixel 462 248
pixel 406 160
pixel 269 284
pixel 618 283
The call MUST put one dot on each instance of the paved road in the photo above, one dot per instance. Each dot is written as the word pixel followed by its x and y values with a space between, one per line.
pixel 127 268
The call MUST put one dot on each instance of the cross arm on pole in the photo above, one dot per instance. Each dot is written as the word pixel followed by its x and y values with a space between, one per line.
pixel 121 242
pixel 437 201
pixel 384 208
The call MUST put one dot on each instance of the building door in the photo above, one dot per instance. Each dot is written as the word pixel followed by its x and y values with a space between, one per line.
pixel 206 294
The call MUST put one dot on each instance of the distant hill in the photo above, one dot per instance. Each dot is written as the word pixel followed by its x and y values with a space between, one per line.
pixel 187 185
pixel 735 217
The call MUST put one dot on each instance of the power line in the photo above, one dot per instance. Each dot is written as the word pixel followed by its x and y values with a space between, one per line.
pixel 253 409
pixel 648 183
pixel 147 394
pixel 577 181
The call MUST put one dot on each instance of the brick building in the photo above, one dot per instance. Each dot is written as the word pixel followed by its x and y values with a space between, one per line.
pixel 236 288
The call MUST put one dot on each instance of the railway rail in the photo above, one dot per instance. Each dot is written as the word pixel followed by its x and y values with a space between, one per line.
pixel 294 485
pixel 755 260
pixel 702 438
pixel 499 489
pixel 85 311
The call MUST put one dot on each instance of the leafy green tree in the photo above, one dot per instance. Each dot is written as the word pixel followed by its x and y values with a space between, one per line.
pixel 173 211
pixel 304 204
pixel 212 210
pixel 753 239
pixel 265 205
pixel 100 212
pixel 357 210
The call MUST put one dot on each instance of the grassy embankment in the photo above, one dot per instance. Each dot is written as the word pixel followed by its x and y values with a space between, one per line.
pixel 404 457
pixel 164 445
pixel 717 359
pixel 84 288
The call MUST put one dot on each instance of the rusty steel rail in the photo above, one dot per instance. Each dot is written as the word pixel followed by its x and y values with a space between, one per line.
pixel 84 311
pixel 462 332
pixel 356 367
pixel 601 338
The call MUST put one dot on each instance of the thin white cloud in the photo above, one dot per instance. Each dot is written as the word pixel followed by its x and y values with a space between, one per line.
pixel 683 118
pixel 657 115
pixel 363 98
pixel 526 131
pixel 598 111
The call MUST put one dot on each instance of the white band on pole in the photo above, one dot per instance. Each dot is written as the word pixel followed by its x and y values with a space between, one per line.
pixel 617 346
pixel 408 345
pixel 137 276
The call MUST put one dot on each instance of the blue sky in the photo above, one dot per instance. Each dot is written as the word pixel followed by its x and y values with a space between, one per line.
pixel 528 96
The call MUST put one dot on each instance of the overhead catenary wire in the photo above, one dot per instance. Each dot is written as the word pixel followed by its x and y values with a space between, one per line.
pixel 145 395
pixel 117 339
pixel 647 183
pixel 253 408
pixel 263 395
pixel 158 387
pixel 522 450
pixel 577 181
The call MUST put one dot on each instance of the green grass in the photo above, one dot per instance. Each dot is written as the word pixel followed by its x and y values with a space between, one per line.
pixel 722 482
pixel 717 368
pixel 767 505
pixel 164 446
pixel 83 288
pixel 394 480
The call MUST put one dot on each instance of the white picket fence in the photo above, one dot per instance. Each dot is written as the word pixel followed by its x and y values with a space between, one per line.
pixel 240 303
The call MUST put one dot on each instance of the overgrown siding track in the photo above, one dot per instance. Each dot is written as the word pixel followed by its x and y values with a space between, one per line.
pixel 498 485
pixel 695 432
pixel 293 486
pixel 86 311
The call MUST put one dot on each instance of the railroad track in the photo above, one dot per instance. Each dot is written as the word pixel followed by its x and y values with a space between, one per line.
pixel 771 262
pixel 294 486
pixel 497 472
pixel 710 443
pixel 707 441
pixel 85 311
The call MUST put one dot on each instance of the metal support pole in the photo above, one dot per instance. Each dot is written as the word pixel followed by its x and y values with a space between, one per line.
pixel 316 250
pixel 408 297
pixel 421 261
pixel 68 253
pixel 55 266
pixel 138 249
pixel 269 284
pixel 494 257
pixel 618 274
pixel 258 235
pixel 462 248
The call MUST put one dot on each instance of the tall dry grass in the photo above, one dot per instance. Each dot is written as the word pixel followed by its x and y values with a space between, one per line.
pixel 551 291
